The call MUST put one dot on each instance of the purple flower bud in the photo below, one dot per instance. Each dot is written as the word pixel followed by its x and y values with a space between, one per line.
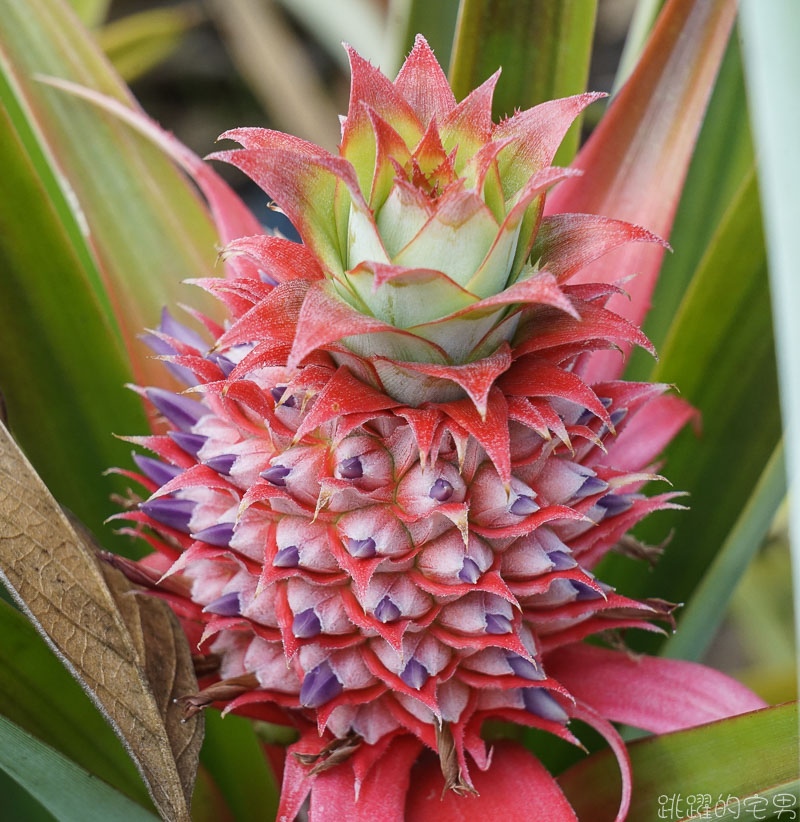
pixel 220 534
pixel 190 443
pixel 587 415
pixel 265 278
pixel 227 605
pixel 618 416
pixel 351 468
pixel 180 411
pixel 470 572
pixel 222 463
pixel 160 472
pixel 225 365
pixel 386 610
pixel 320 685
pixel 170 326
pixel 175 513
pixel 441 490
pixel 498 624
pixel 288 557
pixel 306 624
pixel 585 592
pixel 539 702
pixel 164 349
pixel 591 485
pixel 415 674
pixel 361 548
pixel 615 504
pixel 524 667
pixel 523 506
pixel 562 561
pixel 278 393
pixel 276 475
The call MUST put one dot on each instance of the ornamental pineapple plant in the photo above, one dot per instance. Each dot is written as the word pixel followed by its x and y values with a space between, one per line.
pixel 378 498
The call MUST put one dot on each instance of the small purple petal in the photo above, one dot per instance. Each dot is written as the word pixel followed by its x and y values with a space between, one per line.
pixel 220 534
pixel 320 685
pixel 524 667
pixel 227 605
pixel 288 557
pixel 265 278
pixel 615 504
pixel 415 674
pixel 179 410
pixel 587 415
pixel 538 701
pixel 498 624
pixel 170 326
pixel 160 472
pixel 561 560
pixel 470 572
pixel 278 393
pixel 225 365
pixel 618 416
pixel 164 349
pixel 585 592
pixel 157 345
pixel 191 443
pixel 523 506
pixel 361 548
pixel 222 463
pixel 306 624
pixel 386 610
pixel 175 513
pixel 441 490
pixel 591 486
pixel 351 468
pixel 276 475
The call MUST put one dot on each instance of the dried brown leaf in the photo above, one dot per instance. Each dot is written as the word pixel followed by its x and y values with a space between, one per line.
pixel 126 649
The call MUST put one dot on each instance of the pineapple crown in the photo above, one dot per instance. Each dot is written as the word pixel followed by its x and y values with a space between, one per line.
pixel 418 239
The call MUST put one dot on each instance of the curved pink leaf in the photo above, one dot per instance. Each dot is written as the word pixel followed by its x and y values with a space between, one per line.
pixel 648 433
pixel 655 694
pixel 515 788
pixel 609 733
pixel 231 216
pixel 381 795
pixel 636 160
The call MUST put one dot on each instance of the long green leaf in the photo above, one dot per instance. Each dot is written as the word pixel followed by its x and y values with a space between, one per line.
pixel 37 693
pixel 706 609
pixel 19 804
pixel 407 18
pixel 752 755
pixel 722 160
pixel 148 228
pixel 720 355
pixel 91 12
pixel 644 15
pixel 543 48
pixel 234 757
pixel 771 32
pixel 68 791
pixel 139 41
pixel 52 318
pixel 99 233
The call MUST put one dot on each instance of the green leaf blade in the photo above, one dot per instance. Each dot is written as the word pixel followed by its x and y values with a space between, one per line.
pixel 719 354
pixel 542 47
pixel 754 754
pixel 69 792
